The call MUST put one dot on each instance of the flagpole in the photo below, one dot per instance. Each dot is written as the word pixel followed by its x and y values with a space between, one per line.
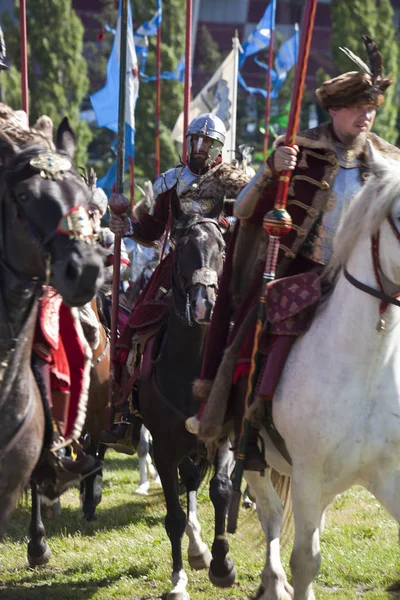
pixel 277 223
pixel 188 84
pixel 269 80
pixel 24 58
pixel 158 103
pixel 119 203
pixel 132 184
pixel 236 46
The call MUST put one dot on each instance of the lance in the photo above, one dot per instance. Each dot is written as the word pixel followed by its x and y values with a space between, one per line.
pixel 269 80
pixel 24 58
pixel 158 102
pixel 188 83
pixel 277 223
pixel 119 202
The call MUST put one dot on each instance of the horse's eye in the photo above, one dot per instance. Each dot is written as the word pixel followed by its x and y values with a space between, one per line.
pixel 23 197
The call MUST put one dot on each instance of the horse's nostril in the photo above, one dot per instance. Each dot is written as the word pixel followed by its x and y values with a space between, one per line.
pixel 72 270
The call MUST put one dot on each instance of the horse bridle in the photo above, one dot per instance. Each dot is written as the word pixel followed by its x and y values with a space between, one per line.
pixel 384 298
pixel 203 276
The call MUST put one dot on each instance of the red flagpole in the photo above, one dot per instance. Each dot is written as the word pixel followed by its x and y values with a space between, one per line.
pixel 158 103
pixel 132 183
pixel 24 58
pixel 269 85
pixel 188 69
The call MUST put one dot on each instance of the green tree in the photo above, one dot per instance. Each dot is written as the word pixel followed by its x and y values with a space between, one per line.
pixel 208 54
pixel 350 21
pixel 172 47
pixel 57 71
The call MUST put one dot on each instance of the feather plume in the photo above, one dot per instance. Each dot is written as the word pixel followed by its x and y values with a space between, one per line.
pixel 360 63
pixel 374 56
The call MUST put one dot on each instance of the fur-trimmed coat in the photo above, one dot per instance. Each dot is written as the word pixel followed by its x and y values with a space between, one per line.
pixel 310 194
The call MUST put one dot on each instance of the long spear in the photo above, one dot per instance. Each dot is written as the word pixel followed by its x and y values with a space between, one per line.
pixel 277 223
pixel 119 203
pixel 188 69
pixel 158 102
pixel 24 58
pixel 269 80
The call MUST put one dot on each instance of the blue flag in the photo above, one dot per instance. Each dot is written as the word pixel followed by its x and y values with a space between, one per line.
pixel 143 32
pixel 105 101
pixel 285 59
pixel 177 75
pixel 261 35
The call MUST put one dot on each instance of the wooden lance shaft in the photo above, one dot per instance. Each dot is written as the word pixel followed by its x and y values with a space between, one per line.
pixel 277 223
pixel 119 203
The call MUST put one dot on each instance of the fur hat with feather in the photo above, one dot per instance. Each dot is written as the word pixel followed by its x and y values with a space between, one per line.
pixel 366 86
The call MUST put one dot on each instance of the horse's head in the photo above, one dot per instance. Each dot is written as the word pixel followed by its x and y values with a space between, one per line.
pixel 45 228
pixel 199 257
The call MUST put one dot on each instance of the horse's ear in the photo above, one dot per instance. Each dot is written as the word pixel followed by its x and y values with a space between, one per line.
pixel 66 141
pixel 176 206
pixel 8 150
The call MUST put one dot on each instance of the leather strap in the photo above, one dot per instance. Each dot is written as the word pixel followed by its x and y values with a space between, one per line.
pixel 369 290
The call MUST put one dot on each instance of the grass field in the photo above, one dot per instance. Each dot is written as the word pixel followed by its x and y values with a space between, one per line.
pixel 125 554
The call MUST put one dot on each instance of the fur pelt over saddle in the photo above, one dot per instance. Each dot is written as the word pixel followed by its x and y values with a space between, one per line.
pixel 291 303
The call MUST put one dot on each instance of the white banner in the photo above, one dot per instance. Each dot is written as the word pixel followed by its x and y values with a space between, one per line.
pixel 218 96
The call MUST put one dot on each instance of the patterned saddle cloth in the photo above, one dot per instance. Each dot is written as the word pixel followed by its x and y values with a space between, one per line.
pixel 291 303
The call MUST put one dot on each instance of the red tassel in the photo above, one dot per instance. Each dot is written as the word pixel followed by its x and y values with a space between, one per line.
pixel 100 37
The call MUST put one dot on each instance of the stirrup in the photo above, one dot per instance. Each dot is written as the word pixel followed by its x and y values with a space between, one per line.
pixel 192 425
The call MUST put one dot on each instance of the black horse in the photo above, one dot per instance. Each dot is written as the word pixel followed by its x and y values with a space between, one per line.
pixel 166 399
pixel 45 237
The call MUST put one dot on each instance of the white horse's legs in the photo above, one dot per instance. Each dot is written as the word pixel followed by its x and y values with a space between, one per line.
pixel 270 513
pixel 145 463
pixel 386 490
pixel 308 509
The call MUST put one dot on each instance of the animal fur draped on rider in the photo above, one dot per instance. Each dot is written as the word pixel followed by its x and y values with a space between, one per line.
pixel 328 166
pixel 203 186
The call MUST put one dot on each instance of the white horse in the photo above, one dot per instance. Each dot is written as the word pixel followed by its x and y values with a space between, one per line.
pixel 338 402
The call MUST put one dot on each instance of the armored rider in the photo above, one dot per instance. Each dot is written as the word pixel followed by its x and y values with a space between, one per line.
pixel 328 166
pixel 202 185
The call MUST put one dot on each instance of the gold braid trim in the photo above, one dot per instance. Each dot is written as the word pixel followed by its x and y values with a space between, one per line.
pixel 323 185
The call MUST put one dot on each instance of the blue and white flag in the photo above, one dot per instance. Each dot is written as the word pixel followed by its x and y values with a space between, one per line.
pixel 285 59
pixel 105 101
pixel 177 75
pixel 143 32
pixel 261 35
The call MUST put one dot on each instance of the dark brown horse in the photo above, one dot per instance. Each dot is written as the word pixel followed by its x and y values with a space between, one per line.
pixel 166 399
pixel 44 238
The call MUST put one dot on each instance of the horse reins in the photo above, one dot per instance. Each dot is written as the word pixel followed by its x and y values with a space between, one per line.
pixel 384 298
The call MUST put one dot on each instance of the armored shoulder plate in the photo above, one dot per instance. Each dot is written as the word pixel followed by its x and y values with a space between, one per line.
pixel 166 181
pixel 181 177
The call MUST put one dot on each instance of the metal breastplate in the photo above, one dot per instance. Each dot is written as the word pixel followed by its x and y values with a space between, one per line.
pixel 318 246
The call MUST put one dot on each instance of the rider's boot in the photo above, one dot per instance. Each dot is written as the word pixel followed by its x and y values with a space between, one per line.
pixel 254 458
pixel 124 435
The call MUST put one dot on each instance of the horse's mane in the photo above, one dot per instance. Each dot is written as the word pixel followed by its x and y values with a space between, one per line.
pixel 367 210
pixel 186 221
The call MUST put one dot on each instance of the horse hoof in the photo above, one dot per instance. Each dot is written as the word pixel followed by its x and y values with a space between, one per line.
pixel 38 561
pixel 90 517
pixel 143 490
pixel 224 581
pixel 178 596
pixel 201 561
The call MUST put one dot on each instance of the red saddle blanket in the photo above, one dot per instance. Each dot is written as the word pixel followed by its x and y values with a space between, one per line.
pixel 59 340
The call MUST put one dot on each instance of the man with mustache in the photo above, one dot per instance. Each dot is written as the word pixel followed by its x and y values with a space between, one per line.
pixel 328 165
pixel 201 185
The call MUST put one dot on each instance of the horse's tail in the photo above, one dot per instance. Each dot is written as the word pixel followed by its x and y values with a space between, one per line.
pixel 283 487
